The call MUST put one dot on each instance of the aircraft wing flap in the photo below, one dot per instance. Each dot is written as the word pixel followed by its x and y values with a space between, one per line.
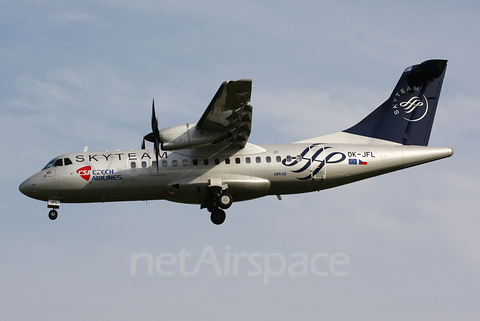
pixel 229 111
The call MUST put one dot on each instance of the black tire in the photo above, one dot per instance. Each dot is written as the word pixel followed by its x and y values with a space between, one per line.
pixel 218 217
pixel 212 208
pixel 224 201
pixel 53 215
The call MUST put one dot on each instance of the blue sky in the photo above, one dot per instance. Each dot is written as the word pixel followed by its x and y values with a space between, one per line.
pixel 84 73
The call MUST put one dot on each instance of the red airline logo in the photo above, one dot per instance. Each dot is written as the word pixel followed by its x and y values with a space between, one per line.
pixel 85 172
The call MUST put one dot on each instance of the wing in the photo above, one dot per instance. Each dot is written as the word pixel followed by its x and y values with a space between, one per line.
pixel 229 111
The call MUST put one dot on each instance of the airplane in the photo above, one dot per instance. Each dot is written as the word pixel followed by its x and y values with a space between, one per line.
pixel 211 162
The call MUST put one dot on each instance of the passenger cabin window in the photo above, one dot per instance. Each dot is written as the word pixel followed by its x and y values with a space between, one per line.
pixel 195 162
pixel 247 160
pixel 289 158
pixel 164 163
pixel 237 160
pixel 268 159
pixel 174 162
pixel 279 159
pixel 258 159
pixel 133 165
pixel 227 161
pixel 205 161
pixel 185 162
pixel 299 158
pixel 217 161
pixel 144 164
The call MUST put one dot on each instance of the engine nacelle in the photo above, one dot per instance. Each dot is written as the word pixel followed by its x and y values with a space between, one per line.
pixel 188 136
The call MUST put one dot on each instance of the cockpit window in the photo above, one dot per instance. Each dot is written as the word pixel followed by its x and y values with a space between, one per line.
pixel 50 163
pixel 58 162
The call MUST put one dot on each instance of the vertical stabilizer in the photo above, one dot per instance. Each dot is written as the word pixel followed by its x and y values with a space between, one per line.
pixel 407 116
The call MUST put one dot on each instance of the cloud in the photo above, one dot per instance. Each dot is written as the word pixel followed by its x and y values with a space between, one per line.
pixel 72 16
pixel 74 102
pixel 296 114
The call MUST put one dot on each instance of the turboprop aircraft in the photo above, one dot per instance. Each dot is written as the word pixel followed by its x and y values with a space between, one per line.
pixel 210 163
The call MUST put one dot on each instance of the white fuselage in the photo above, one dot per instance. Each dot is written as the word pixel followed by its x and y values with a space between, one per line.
pixel 248 173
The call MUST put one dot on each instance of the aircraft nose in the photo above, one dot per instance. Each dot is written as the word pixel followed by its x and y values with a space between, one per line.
pixel 27 187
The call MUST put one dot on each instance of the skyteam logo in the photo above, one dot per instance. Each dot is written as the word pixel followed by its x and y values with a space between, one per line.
pixel 415 108
pixel 312 160
pixel 415 102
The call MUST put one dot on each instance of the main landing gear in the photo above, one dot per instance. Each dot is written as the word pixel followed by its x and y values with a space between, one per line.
pixel 216 202
pixel 218 216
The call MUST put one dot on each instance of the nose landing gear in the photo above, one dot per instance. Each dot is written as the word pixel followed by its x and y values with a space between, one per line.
pixel 54 205
pixel 53 214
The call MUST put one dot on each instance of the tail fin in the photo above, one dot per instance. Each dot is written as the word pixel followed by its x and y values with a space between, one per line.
pixel 407 116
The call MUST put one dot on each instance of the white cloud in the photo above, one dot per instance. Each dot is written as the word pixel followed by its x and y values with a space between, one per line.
pixel 72 16
pixel 298 114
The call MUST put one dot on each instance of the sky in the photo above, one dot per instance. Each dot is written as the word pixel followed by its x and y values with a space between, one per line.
pixel 84 73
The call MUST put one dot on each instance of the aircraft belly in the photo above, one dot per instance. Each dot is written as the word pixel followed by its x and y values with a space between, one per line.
pixel 193 189
pixel 244 187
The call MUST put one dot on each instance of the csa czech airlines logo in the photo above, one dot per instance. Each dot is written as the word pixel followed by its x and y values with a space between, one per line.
pixel 85 172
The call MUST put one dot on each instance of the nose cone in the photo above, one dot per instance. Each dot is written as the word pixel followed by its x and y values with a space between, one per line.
pixel 28 186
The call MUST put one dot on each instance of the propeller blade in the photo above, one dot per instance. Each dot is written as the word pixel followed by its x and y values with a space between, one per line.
pixel 154 136
pixel 156 146
pixel 154 121
pixel 149 138
pixel 155 133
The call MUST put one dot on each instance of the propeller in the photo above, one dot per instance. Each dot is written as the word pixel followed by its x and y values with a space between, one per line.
pixel 154 136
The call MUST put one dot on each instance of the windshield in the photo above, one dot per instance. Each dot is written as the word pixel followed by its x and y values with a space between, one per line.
pixel 50 163
pixel 56 162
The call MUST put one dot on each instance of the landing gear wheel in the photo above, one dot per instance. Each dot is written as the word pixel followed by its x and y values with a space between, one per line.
pixel 53 214
pixel 212 208
pixel 224 201
pixel 218 217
